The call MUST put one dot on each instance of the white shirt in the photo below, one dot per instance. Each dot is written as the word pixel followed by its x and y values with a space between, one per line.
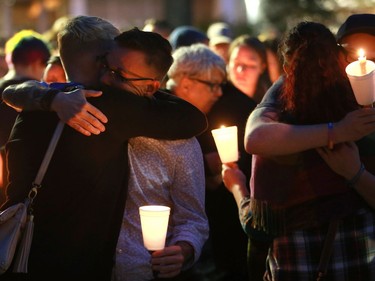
pixel 162 172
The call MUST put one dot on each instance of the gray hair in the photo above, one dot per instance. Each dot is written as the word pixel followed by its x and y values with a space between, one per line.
pixel 195 60
pixel 88 28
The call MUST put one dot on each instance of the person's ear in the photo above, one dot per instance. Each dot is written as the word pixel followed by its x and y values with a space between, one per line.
pixel 153 87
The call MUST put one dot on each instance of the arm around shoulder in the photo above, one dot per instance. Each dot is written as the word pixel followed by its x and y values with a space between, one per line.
pixel 30 95
pixel 187 118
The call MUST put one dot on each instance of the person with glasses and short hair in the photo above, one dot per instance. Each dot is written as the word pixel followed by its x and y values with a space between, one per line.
pixel 131 75
pixel 248 80
pixel 197 75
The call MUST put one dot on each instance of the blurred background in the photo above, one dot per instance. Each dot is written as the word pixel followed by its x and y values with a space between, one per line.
pixel 245 16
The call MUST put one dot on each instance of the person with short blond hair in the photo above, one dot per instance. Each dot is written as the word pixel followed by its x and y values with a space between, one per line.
pixel 79 210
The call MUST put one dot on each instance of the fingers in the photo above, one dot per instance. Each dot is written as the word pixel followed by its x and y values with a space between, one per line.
pixel 97 115
pixel 89 120
pixel 92 93
pixel 86 124
pixel 167 262
pixel 79 128
pixel 167 267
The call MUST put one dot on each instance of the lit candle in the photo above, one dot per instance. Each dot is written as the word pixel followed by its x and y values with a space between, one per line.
pixel 154 223
pixel 361 74
pixel 226 143
pixel 362 61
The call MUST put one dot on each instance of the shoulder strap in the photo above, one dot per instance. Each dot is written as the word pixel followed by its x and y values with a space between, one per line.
pixel 47 157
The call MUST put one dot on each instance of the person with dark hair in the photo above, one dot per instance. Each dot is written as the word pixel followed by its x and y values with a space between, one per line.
pixel 30 50
pixel 187 35
pixel 79 210
pixel 297 198
pixel 27 56
pixel 157 58
pixel 248 67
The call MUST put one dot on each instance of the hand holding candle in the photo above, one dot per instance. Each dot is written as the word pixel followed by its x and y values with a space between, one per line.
pixel 154 223
pixel 361 74
pixel 226 143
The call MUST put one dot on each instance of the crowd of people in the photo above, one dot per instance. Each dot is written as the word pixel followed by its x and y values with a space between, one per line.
pixel 139 106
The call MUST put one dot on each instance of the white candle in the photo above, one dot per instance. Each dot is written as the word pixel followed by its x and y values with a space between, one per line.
pixel 361 74
pixel 362 61
pixel 154 223
pixel 226 143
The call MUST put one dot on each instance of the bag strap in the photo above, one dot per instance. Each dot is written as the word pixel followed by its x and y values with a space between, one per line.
pixel 47 157
pixel 327 249
pixel 46 160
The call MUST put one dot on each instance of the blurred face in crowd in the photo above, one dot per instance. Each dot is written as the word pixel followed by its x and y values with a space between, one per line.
pixel 351 44
pixel 202 91
pixel 274 68
pixel 221 49
pixel 244 68
pixel 127 69
pixel 54 73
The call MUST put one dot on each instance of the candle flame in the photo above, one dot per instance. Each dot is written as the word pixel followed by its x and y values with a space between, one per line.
pixel 361 53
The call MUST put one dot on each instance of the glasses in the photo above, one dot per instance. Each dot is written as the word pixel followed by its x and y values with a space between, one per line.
pixel 213 86
pixel 117 74
pixel 351 54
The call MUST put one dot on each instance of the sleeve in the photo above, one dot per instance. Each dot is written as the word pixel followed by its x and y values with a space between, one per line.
pixel 245 217
pixel 30 95
pixel 189 118
pixel 271 97
pixel 163 116
pixel 188 195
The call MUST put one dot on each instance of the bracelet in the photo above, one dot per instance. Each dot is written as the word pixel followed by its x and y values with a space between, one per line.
pixel 330 135
pixel 351 183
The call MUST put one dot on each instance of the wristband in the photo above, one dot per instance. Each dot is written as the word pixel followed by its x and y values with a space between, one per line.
pixel 351 183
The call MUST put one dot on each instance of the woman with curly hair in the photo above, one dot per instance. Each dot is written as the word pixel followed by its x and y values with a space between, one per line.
pixel 321 216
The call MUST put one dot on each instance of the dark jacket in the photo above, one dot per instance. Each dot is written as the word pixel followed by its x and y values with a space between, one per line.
pixel 79 208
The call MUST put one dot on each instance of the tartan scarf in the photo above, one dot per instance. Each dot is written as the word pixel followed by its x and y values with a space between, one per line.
pixel 297 192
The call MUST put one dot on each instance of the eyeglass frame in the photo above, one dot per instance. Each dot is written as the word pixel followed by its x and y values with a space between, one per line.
pixel 118 75
pixel 211 85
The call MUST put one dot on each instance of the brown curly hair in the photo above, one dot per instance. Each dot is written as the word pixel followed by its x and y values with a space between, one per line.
pixel 316 88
